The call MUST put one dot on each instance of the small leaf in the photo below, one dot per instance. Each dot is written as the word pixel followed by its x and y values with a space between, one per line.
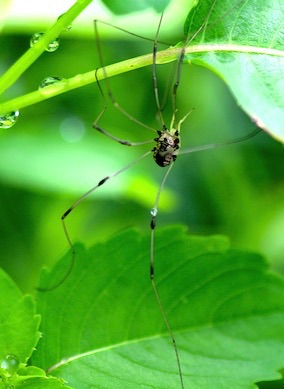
pixel 19 322
pixel 19 336
pixel 32 377
pixel 243 43
pixel 102 327
pixel 41 382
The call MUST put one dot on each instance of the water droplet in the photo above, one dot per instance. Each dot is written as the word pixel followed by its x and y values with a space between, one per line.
pixel 47 84
pixel 68 28
pixel 154 212
pixel 9 119
pixel 35 38
pixel 53 46
pixel 10 363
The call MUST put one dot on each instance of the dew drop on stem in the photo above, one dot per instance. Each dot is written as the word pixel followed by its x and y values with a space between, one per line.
pixel 52 46
pixel 9 119
pixel 47 83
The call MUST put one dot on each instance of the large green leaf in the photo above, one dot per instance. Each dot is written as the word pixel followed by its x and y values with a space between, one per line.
pixel 243 42
pixel 102 327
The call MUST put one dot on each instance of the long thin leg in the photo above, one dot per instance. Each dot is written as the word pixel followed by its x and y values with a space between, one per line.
pixel 73 206
pixel 132 33
pixel 121 141
pixel 154 74
pixel 108 134
pixel 220 144
pixel 154 213
pixel 188 39
pixel 103 181
pixel 109 92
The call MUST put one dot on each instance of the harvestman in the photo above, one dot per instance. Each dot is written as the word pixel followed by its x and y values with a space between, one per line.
pixel 165 151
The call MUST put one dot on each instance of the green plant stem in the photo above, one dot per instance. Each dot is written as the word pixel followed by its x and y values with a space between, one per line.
pixel 31 55
pixel 165 56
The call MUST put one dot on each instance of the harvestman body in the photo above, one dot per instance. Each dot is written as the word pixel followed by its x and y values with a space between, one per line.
pixel 166 147
pixel 165 151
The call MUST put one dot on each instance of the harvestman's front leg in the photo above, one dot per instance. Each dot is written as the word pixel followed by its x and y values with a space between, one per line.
pixel 154 213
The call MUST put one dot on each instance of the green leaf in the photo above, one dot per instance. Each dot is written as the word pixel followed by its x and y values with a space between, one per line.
pixel 19 322
pixel 30 382
pixel 102 327
pixel 243 43
pixel 19 336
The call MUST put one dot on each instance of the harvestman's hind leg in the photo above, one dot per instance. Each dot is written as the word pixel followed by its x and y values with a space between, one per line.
pixel 101 182
pixel 73 206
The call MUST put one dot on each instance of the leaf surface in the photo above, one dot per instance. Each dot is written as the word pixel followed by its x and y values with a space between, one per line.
pixel 102 327
pixel 19 322
pixel 243 43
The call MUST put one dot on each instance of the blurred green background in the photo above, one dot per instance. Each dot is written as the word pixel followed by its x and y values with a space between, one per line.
pixel 53 155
